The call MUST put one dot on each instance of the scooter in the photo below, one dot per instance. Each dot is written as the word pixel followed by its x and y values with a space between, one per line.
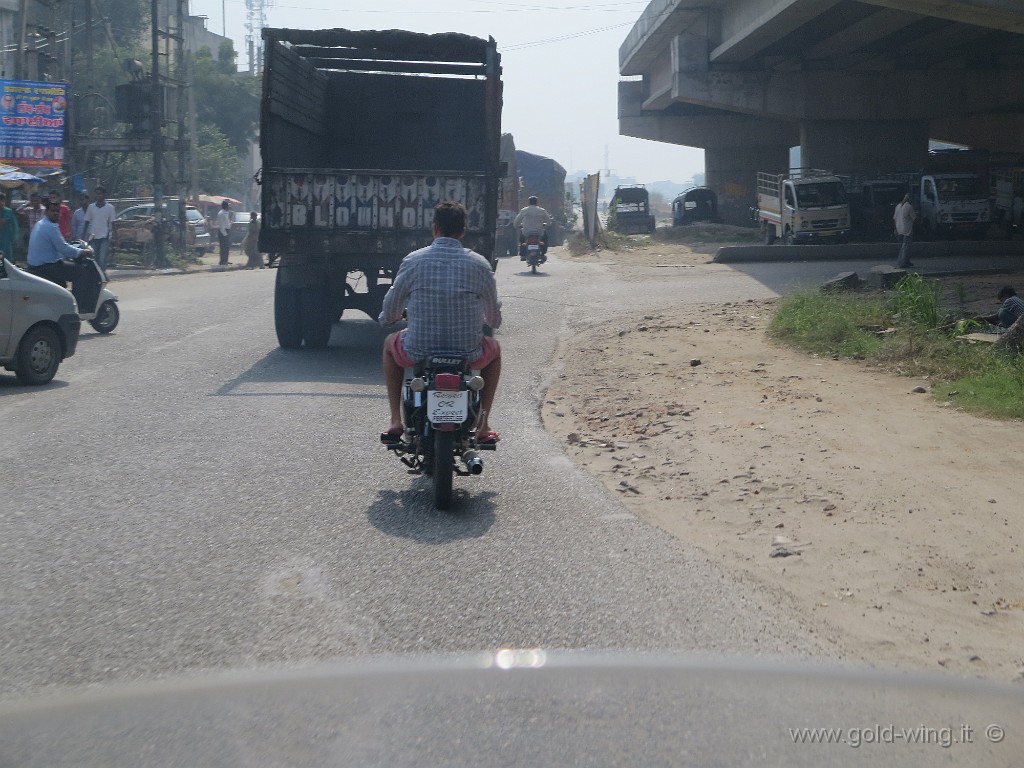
pixel 97 305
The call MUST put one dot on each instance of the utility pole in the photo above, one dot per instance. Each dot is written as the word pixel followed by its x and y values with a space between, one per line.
pixel 156 134
pixel 21 66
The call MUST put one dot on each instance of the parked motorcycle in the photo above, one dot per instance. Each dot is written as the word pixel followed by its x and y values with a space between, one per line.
pixel 533 250
pixel 441 405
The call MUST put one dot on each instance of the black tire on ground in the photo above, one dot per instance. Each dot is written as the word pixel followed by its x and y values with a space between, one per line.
pixel 287 314
pixel 317 318
pixel 533 267
pixel 39 356
pixel 769 234
pixel 444 467
pixel 107 318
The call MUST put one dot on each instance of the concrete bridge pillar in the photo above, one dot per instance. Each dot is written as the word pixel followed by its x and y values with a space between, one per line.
pixel 864 146
pixel 732 173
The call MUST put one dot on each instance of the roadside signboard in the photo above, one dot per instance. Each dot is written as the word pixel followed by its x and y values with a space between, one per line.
pixel 32 120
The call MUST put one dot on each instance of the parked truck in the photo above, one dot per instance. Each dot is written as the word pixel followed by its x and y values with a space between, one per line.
pixel 544 178
pixel 506 238
pixel 873 202
pixel 362 134
pixel 629 212
pixel 953 204
pixel 805 206
pixel 1008 197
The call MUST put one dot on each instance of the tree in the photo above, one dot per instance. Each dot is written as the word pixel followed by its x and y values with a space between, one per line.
pixel 218 166
pixel 224 97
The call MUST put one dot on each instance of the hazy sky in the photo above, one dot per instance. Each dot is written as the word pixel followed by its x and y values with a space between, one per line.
pixel 560 62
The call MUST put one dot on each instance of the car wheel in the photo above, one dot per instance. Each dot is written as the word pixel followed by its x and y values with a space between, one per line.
pixel 39 356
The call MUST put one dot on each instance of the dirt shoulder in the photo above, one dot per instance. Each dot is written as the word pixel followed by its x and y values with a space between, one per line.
pixel 886 514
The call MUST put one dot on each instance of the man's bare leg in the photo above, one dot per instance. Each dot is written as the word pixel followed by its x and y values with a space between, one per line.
pixel 490 375
pixel 393 375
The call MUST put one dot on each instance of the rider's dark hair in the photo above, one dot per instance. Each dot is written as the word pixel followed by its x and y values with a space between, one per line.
pixel 450 219
pixel 532 201
pixel 1006 292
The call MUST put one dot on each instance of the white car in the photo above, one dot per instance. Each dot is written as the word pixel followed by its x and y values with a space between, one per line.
pixel 39 325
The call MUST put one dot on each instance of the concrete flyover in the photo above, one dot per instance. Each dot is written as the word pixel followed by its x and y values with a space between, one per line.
pixel 860 85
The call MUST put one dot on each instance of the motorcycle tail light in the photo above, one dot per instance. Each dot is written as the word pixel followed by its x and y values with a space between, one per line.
pixel 447 381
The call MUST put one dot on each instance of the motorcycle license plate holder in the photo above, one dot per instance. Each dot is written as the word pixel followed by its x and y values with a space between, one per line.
pixel 446 407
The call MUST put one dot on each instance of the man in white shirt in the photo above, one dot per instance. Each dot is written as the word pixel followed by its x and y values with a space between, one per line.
pixel 99 226
pixel 904 219
pixel 533 220
pixel 224 230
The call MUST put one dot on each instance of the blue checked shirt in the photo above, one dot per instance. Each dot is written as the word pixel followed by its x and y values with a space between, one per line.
pixel 448 292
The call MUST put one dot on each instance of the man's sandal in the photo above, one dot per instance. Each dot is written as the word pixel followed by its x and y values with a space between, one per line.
pixel 490 437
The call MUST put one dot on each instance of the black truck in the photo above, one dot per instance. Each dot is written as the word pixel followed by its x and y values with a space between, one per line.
pixel 362 134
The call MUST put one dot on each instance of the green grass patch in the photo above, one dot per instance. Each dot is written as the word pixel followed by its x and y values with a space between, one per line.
pixel 702 233
pixel 906 332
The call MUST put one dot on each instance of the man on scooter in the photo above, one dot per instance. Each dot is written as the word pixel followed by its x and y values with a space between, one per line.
pixel 47 250
pixel 447 293
pixel 533 220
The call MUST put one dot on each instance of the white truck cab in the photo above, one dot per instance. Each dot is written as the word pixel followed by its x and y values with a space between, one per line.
pixel 952 204
pixel 39 325
pixel 807 206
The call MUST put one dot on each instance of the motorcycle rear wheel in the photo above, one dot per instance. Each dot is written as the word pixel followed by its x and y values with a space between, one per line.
pixel 444 468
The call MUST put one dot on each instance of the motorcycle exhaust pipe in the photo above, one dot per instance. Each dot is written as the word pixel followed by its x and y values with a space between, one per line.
pixel 473 462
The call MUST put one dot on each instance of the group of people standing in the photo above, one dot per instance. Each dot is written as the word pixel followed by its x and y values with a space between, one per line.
pixel 50 227
pixel 250 245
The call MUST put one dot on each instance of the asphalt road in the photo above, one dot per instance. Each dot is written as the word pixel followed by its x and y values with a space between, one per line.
pixel 186 496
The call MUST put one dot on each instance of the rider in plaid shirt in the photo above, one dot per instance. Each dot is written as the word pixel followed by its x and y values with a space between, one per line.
pixel 447 293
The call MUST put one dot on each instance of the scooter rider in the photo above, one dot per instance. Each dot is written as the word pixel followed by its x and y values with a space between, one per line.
pixel 532 220
pixel 47 250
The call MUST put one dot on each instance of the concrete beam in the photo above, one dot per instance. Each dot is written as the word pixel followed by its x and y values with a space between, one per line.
pixel 1005 15
pixel 997 133
pixel 867 30
pixel 864 146
pixel 831 95
pixel 660 22
pixel 749 26
pixel 711 131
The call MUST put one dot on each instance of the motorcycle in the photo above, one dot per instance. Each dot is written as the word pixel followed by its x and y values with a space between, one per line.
pixel 533 250
pixel 441 406
pixel 97 304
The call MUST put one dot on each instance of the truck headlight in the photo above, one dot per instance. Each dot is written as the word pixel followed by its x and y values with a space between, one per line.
pixel 984 215
pixel 804 225
pixel 944 217
pixel 842 222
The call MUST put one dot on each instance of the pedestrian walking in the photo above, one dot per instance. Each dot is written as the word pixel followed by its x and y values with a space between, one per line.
pixel 99 226
pixel 251 244
pixel 224 231
pixel 903 217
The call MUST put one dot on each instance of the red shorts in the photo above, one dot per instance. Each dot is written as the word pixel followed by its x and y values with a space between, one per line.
pixel 490 351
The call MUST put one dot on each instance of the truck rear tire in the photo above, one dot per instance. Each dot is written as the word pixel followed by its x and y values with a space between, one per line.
pixel 287 314
pixel 769 234
pixel 317 320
